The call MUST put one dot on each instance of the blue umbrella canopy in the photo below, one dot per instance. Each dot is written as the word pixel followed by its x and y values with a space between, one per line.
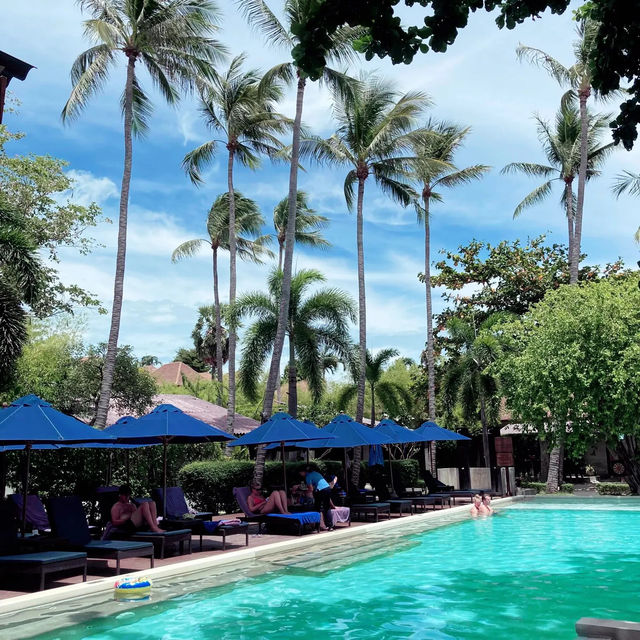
pixel 279 428
pixel 430 431
pixel 307 427
pixel 30 420
pixel 165 423
pixel 347 433
pixel 398 433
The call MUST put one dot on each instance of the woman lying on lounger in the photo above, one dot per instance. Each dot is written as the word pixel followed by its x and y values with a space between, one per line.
pixel 125 514
pixel 277 501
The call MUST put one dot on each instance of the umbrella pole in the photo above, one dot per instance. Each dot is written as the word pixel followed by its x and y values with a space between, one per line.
pixel 25 489
pixel 390 468
pixel 127 465
pixel 307 456
pixel 284 468
pixel 346 479
pixel 164 478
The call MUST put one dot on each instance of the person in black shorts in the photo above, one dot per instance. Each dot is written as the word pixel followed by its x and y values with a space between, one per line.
pixel 125 515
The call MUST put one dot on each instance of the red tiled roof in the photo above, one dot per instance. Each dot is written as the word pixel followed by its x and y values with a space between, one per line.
pixel 173 371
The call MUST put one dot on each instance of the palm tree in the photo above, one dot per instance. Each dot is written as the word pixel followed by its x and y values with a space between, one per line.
pixel 21 277
pixel 375 136
pixel 171 40
pixel 391 395
pixel 579 78
pixel 250 245
pixel 433 168
pixel 260 16
pixel 628 182
pixel 206 336
pixel 317 322
pixel 239 106
pixel 308 225
pixel 562 148
pixel 466 381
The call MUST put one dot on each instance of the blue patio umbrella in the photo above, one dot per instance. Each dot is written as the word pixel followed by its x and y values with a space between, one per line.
pixel 430 432
pixel 308 427
pixel 163 425
pixel 30 421
pixel 280 429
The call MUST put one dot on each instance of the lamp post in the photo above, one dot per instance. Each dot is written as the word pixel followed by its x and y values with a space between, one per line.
pixel 10 67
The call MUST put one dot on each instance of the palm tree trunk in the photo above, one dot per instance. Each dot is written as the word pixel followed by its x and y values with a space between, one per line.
pixel 362 328
pixel 554 467
pixel 582 179
pixel 486 454
pixel 293 379
pixel 118 285
pixel 285 294
pixel 570 223
pixel 280 252
pixel 216 306
pixel 231 402
pixel 431 393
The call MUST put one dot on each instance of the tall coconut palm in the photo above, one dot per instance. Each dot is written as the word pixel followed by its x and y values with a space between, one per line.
pixel 628 182
pixel 433 169
pixel 309 225
pixel 466 381
pixel 239 106
pixel 21 276
pixel 318 321
pixel 375 137
pixel 280 34
pixel 562 147
pixel 250 245
pixel 391 395
pixel 579 78
pixel 171 40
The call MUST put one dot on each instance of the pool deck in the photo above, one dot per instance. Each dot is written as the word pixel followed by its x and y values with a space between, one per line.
pixel 12 586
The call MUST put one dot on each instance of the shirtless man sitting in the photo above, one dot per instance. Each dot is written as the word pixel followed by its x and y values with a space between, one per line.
pixel 126 516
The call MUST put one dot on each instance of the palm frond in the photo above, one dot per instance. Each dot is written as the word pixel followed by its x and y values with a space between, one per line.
pixel 262 19
pixel 533 198
pixel 189 249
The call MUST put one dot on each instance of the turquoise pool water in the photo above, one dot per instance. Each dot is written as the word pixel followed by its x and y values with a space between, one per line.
pixel 528 573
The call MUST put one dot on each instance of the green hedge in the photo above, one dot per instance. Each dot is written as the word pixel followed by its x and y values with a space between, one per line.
pixel 613 489
pixel 406 473
pixel 567 487
pixel 209 484
pixel 541 487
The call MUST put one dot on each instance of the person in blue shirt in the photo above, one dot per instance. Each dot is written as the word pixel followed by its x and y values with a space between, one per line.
pixel 321 493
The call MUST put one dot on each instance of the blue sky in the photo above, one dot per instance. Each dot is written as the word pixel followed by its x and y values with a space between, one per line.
pixel 477 83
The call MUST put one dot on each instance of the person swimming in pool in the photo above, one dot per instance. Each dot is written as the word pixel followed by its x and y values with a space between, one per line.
pixel 277 501
pixel 476 503
pixel 485 505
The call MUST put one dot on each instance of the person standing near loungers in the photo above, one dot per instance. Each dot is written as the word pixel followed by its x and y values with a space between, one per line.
pixel 126 516
pixel 321 494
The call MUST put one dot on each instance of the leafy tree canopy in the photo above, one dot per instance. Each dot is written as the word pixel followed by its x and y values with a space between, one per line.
pixel 573 363
pixel 509 276
pixel 615 56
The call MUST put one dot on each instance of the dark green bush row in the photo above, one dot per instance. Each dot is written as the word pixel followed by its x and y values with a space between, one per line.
pixel 613 489
pixel 406 473
pixel 567 487
pixel 541 487
pixel 209 484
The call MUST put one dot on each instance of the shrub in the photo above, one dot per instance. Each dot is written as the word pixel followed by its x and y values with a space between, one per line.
pixel 405 473
pixel 567 487
pixel 613 489
pixel 540 487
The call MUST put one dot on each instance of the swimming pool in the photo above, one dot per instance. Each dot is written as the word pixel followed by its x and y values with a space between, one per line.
pixel 529 572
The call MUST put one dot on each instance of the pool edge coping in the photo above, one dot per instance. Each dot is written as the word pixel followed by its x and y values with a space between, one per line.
pixel 58 595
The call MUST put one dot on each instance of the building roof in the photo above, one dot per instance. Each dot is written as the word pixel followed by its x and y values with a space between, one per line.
pixel 208 412
pixel 172 373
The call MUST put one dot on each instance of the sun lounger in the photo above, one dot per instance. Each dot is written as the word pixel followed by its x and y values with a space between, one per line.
pixel 69 521
pixel 296 523
pixel 36 514
pixel 176 504
pixel 397 504
pixel 42 563
pixel 371 508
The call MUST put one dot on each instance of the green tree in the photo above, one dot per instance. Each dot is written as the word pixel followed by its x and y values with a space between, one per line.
pixel 190 357
pixel 579 78
pixel 207 336
pixel 250 245
pixel 239 106
pixel 171 40
pixel 562 146
pixel 574 359
pixel 467 381
pixel 318 322
pixel 628 182
pixel 433 169
pixel 391 395
pixel 149 361
pixel 339 50
pixel 614 56
pixel 309 225
pixel 21 280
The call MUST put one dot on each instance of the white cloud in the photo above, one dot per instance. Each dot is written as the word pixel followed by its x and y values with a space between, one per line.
pixel 88 188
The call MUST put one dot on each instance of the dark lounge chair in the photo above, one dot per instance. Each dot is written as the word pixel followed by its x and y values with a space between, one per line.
pixel 42 563
pixel 69 521
pixel 36 514
pixel 279 523
pixel 176 505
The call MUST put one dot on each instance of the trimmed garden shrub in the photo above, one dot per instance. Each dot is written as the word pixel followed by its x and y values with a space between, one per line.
pixel 567 487
pixel 405 473
pixel 540 487
pixel 613 489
